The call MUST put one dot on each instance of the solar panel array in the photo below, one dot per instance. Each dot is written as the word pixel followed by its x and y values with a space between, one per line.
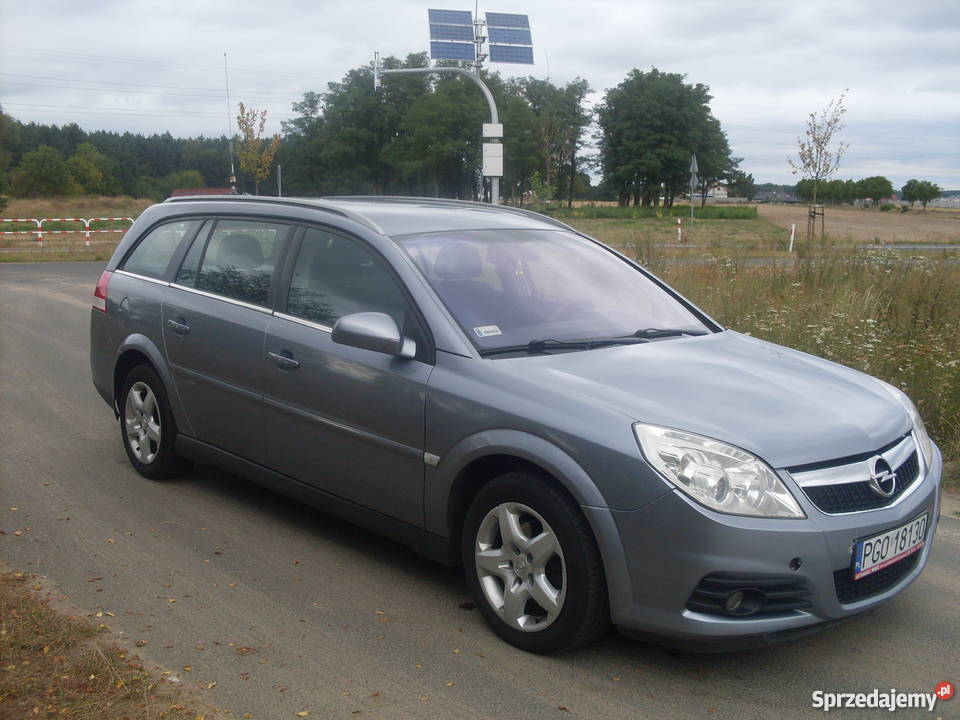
pixel 451 35
pixel 510 40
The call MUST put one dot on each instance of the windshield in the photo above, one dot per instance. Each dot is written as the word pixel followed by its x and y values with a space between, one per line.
pixel 508 287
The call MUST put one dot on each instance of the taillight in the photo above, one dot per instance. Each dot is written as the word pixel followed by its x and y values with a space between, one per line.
pixel 100 293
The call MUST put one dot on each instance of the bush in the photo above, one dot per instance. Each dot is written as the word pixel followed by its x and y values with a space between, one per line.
pixel 886 207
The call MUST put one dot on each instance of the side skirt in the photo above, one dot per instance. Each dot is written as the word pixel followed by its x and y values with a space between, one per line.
pixel 435 547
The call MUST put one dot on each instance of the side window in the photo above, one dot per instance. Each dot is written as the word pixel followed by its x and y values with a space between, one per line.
pixel 187 275
pixel 152 255
pixel 334 276
pixel 238 261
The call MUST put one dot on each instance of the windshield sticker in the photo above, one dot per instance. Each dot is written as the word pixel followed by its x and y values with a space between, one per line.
pixel 487 331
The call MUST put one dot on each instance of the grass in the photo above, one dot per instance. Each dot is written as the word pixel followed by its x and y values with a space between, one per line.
pixel 55 665
pixel 892 315
pixel 84 207
pixel 709 212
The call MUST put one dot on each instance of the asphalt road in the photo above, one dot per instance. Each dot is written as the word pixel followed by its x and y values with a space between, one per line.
pixel 288 609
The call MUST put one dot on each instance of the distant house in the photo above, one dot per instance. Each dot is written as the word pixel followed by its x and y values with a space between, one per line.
pixel 180 192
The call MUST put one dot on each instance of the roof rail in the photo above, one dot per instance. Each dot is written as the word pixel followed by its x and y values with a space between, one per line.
pixel 314 203
pixel 401 199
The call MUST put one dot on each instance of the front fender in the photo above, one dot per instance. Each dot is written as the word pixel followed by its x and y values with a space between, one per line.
pixel 137 342
pixel 441 480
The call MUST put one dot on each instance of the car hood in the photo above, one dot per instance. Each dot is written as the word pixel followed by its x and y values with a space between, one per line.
pixel 785 406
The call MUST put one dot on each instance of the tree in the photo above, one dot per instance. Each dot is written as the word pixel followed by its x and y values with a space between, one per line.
pixel 741 185
pixel 255 158
pixel 815 160
pixel 650 124
pixel 876 188
pixel 93 170
pixel 921 191
pixel 42 172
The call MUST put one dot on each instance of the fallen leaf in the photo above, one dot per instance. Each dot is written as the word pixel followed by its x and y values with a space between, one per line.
pixel 14 509
pixel 564 708
pixel 303 713
pixel 94 579
pixel 111 540
pixel 246 716
pixel 18 533
pixel 187 668
pixel 140 643
pixel 456 651
pixel 615 678
pixel 233 584
pixel 171 600
pixel 451 683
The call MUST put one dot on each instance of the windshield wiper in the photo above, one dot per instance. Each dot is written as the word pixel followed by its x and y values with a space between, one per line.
pixel 539 346
pixel 654 333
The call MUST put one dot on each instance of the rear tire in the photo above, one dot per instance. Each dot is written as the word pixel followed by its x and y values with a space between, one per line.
pixel 533 565
pixel 147 427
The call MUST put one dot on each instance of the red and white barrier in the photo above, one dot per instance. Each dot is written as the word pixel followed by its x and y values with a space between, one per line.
pixel 87 229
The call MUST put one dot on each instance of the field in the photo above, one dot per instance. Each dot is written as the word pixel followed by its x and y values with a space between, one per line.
pixel 872 225
pixel 890 314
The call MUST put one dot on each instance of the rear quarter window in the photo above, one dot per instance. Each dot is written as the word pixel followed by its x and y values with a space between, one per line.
pixel 153 254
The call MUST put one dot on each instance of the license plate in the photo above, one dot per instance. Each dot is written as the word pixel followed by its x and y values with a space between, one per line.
pixel 880 551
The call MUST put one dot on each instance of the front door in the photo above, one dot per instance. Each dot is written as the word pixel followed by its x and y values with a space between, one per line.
pixel 345 420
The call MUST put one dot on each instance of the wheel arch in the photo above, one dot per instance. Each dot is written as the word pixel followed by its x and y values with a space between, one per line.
pixel 477 459
pixel 138 349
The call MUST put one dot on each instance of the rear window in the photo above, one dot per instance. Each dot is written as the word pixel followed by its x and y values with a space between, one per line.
pixel 238 261
pixel 152 255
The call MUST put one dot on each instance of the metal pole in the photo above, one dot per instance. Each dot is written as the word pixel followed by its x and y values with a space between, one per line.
pixel 494 115
pixel 279 180
pixel 226 84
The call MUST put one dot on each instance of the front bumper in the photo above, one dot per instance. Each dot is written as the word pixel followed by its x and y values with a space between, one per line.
pixel 667 547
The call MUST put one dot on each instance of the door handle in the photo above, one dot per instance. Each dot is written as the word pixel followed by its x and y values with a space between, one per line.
pixel 284 360
pixel 180 328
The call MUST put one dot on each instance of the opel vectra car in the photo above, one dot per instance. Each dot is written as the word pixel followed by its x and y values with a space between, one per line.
pixel 497 390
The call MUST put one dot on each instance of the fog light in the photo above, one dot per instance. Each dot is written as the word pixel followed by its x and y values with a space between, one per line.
pixel 733 601
pixel 745 601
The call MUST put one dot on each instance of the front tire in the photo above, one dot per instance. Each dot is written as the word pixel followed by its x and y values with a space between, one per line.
pixel 147 427
pixel 533 565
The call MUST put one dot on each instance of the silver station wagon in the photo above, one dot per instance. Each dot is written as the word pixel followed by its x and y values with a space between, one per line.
pixel 495 389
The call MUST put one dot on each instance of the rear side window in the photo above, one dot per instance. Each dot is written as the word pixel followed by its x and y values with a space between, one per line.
pixel 334 276
pixel 152 255
pixel 238 261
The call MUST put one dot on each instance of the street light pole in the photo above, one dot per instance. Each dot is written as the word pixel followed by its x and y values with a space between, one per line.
pixel 494 115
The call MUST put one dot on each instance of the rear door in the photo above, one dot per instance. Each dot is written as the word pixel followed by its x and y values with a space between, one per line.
pixel 214 322
pixel 346 420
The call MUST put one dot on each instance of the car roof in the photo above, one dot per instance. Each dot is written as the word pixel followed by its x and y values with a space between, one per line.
pixel 395 216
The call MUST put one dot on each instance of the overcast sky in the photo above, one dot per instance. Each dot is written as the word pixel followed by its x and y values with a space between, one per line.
pixel 151 66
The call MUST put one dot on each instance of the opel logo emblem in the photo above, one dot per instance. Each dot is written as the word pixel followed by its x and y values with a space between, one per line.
pixel 883 480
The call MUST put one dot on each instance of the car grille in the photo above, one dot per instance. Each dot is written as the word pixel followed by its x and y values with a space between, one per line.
pixel 850 590
pixel 857 496
pixel 843 486
pixel 782 594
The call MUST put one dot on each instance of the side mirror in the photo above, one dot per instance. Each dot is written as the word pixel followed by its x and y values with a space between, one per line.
pixel 373 331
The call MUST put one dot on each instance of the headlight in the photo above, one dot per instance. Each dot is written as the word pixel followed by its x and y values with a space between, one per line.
pixel 720 476
pixel 926 445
